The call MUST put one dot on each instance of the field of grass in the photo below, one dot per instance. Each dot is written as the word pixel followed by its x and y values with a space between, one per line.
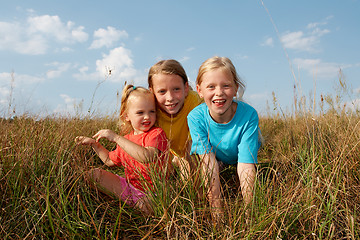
pixel 308 184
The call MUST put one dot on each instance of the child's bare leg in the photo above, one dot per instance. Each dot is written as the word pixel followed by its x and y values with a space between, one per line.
pixel 144 205
pixel 106 182
pixel 110 183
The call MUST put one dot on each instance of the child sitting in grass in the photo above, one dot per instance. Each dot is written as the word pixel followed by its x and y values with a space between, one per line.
pixel 141 150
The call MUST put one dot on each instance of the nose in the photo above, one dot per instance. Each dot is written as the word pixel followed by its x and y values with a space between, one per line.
pixel 169 96
pixel 147 116
pixel 218 91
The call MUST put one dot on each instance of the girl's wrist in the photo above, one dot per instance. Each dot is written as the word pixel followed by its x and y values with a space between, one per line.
pixel 117 138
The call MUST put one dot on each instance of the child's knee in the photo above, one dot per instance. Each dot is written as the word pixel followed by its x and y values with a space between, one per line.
pixel 94 174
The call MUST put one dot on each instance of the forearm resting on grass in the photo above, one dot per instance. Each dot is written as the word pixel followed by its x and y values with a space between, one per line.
pixel 247 174
pixel 211 173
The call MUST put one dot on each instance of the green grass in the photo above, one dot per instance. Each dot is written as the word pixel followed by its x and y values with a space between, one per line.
pixel 308 184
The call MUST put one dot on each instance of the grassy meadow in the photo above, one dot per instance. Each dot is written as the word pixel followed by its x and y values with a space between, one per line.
pixel 308 184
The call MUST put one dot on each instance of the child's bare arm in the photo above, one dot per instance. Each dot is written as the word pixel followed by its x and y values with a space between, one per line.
pixel 141 154
pixel 102 152
pixel 212 175
pixel 247 174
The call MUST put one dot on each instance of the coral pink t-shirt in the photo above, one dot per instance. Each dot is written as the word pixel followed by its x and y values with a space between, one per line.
pixel 138 173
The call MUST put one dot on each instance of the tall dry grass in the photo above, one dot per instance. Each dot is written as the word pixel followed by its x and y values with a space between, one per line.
pixel 308 184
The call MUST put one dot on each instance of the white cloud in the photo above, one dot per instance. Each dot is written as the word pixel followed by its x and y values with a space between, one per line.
pixel 70 106
pixel 59 69
pixel 16 87
pixel 13 37
pixel 107 37
pixel 35 35
pixel 268 42
pixel 316 24
pixel 4 91
pixel 27 79
pixel 4 95
pixel 66 49
pixel 119 61
pixel 53 27
pixel 184 59
pixel 319 69
pixel 67 99
pixel 85 75
pixel 353 105
pixel 19 79
pixel 305 41
pixel 297 41
pixel 78 34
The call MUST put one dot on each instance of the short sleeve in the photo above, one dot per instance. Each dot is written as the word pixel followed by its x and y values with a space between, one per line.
pixel 117 156
pixel 157 139
pixel 249 143
pixel 199 133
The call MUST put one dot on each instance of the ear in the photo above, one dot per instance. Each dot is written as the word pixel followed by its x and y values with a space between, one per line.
pixel 151 90
pixel 236 91
pixel 126 117
pixel 186 88
pixel 198 89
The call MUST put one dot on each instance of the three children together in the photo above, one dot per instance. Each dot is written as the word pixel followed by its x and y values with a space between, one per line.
pixel 223 130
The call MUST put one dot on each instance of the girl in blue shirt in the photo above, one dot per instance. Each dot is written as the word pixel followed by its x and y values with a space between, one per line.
pixel 224 129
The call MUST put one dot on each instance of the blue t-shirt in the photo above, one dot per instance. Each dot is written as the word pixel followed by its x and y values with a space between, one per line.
pixel 232 142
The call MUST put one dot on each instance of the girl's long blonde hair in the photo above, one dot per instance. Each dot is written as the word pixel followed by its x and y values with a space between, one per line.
pixel 129 90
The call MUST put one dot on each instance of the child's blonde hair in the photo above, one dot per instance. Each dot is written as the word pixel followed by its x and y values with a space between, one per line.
pixel 170 66
pixel 225 64
pixel 129 90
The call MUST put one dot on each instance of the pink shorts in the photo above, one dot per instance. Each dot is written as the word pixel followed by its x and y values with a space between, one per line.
pixel 131 194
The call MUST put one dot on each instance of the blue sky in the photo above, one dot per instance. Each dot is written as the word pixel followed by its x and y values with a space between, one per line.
pixel 59 52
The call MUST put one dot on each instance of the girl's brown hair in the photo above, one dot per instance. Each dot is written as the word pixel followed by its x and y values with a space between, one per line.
pixel 223 63
pixel 129 90
pixel 169 66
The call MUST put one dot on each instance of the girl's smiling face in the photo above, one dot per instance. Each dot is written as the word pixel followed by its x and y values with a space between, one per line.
pixel 141 112
pixel 218 89
pixel 170 92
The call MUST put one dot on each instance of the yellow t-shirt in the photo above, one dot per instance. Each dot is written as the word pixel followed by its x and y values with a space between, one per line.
pixel 176 128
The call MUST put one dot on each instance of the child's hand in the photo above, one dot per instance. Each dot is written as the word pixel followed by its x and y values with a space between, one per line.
pixel 81 140
pixel 105 133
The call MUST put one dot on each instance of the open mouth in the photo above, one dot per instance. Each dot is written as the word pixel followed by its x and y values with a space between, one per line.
pixel 171 106
pixel 146 124
pixel 219 103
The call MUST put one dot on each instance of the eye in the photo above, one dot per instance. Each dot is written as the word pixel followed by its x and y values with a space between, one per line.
pixel 161 91
pixel 210 86
pixel 139 112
